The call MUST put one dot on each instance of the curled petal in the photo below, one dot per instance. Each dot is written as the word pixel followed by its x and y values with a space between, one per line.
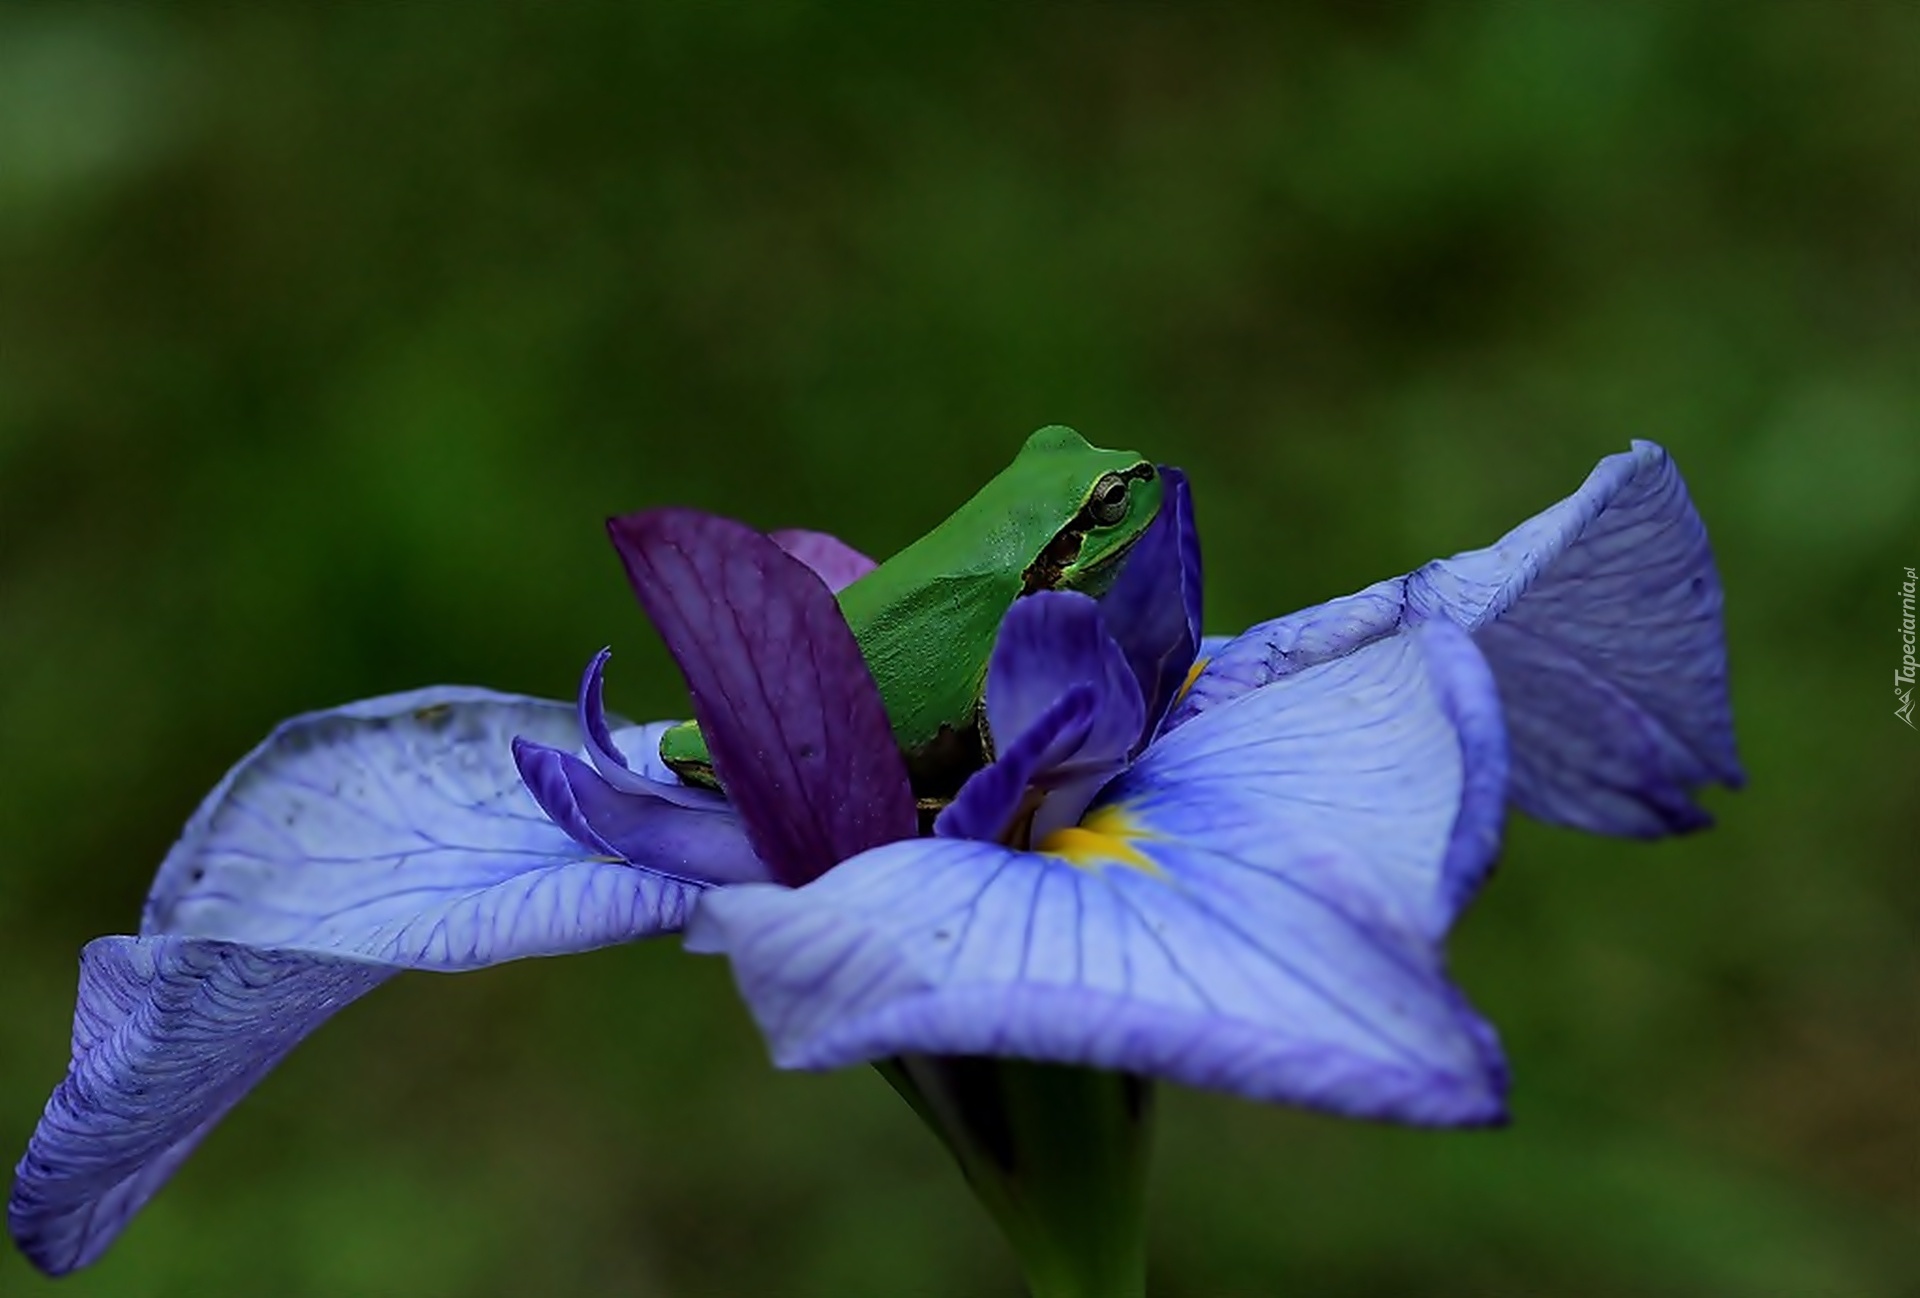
pixel 398 830
pixel 608 752
pixel 609 757
pixel 798 733
pixel 704 845
pixel 832 560
pixel 1256 906
pixel 601 750
pixel 1153 609
pixel 169 1033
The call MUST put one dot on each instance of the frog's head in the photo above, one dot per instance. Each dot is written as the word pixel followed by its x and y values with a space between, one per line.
pixel 1110 498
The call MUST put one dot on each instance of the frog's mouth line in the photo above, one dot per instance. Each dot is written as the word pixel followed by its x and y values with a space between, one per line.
pixel 1050 568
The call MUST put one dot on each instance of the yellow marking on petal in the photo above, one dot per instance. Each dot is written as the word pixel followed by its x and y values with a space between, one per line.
pixel 1193 674
pixel 1107 837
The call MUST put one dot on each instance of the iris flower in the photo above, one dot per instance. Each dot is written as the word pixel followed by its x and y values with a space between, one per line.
pixel 1230 863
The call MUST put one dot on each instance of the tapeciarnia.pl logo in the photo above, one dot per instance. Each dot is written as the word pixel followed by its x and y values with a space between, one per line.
pixel 1903 676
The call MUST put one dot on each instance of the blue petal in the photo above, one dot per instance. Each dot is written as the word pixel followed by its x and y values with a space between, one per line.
pixel 388 834
pixel 1052 645
pixel 1271 650
pixel 1052 642
pixel 1267 924
pixel 609 753
pixel 601 749
pixel 169 1033
pixel 609 757
pixel 398 830
pixel 1153 609
pixel 991 799
pixel 1601 619
pixel 703 845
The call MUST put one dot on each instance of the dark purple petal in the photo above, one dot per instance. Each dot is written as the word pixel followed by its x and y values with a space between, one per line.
pixel 700 845
pixel 795 725
pixel 1153 609
pixel 990 799
pixel 169 1033
pixel 398 829
pixel 832 560
pixel 1256 906
pixel 1602 620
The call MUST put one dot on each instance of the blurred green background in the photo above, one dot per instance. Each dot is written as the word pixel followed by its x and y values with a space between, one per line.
pixel 329 336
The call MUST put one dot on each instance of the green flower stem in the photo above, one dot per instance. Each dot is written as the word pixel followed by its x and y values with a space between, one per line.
pixel 1058 1156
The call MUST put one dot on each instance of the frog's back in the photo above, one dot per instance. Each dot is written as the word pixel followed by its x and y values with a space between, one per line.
pixel 926 618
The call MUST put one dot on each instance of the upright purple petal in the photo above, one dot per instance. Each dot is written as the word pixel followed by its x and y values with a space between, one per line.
pixel 1602 620
pixel 1256 906
pixel 169 1033
pixel 832 560
pixel 398 829
pixel 994 796
pixel 1153 609
pixel 1064 708
pixel 1049 643
pixel 790 713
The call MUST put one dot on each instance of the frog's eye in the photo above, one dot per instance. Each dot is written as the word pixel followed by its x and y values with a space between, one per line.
pixel 1108 504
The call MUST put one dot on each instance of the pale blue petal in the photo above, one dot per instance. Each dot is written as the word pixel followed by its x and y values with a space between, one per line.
pixel 1602 619
pixel 641 745
pixel 169 1033
pixel 392 833
pixel 1211 645
pixel 1396 748
pixel 398 830
pixel 1301 852
pixel 1265 653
